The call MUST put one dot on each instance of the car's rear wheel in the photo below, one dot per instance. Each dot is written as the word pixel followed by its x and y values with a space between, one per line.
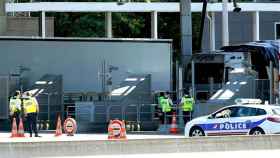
pixel 196 132
pixel 257 131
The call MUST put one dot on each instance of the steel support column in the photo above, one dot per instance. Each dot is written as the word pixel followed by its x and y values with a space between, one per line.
pixel 225 33
pixel 108 24
pixel 43 24
pixel 154 25
pixel 256 26
pixel 212 33
pixel 186 29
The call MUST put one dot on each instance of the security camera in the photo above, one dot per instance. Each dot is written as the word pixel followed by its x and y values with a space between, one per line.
pixel 121 2
pixel 236 9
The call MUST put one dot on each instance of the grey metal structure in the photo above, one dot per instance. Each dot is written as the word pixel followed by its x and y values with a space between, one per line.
pixel 49 94
pixel 238 79
pixel 131 102
pixel 186 30
pixel 79 60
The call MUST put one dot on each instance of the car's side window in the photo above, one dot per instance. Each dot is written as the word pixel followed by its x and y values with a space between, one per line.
pixel 253 111
pixel 226 113
pixel 260 112
pixel 276 111
pixel 222 113
pixel 243 112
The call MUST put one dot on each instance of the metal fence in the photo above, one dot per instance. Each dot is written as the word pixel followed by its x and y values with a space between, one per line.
pixel 135 115
pixel 102 113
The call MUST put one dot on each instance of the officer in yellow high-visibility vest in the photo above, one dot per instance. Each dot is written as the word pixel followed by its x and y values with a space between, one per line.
pixel 16 107
pixel 165 104
pixel 31 110
pixel 187 107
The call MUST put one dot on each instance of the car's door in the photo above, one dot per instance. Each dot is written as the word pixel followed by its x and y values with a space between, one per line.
pixel 256 118
pixel 240 123
pixel 218 123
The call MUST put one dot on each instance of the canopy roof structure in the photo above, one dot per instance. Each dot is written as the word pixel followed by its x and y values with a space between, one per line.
pixel 154 8
pixel 131 7
pixel 268 49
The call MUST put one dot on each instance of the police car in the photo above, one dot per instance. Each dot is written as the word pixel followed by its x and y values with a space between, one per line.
pixel 247 117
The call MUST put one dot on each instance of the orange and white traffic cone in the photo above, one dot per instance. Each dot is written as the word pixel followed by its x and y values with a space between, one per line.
pixel 123 131
pixel 58 131
pixel 20 129
pixel 173 129
pixel 14 129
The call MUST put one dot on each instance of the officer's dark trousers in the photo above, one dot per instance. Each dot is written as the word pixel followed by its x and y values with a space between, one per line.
pixel 17 116
pixel 32 123
pixel 166 117
pixel 187 116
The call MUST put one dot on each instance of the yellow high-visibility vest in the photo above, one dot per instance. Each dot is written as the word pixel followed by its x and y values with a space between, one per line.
pixel 15 104
pixel 165 105
pixel 29 105
pixel 188 103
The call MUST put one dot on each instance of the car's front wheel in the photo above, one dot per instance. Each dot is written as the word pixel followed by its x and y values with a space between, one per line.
pixel 196 132
pixel 257 131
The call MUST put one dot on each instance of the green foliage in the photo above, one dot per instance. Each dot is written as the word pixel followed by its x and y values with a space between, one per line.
pixel 130 25
pixel 79 24
pixel 125 25
pixel 169 28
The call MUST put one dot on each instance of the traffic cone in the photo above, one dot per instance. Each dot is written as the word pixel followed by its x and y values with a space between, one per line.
pixel 20 129
pixel 123 131
pixel 14 128
pixel 58 131
pixel 173 129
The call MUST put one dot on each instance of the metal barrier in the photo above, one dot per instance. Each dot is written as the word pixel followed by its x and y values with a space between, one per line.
pixel 134 115
pixel 123 112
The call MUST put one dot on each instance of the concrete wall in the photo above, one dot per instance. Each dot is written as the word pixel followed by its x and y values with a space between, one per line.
pixel 240 28
pixel 2 7
pixel 3 25
pixel 26 149
pixel 3 19
pixel 27 26
pixel 79 61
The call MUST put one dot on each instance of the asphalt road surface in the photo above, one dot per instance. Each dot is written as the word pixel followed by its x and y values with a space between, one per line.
pixel 218 154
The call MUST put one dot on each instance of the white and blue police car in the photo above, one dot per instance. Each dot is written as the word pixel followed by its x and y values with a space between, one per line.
pixel 246 117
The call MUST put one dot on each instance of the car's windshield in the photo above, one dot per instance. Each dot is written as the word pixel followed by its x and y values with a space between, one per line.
pixel 276 111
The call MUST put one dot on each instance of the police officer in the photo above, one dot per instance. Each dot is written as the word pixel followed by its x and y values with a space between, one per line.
pixel 31 107
pixel 187 107
pixel 166 103
pixel 16 107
